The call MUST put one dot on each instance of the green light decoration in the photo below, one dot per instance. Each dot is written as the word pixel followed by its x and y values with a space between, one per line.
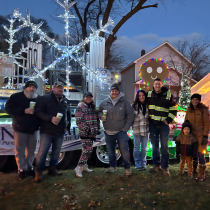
pixel 180 109
pixel 184 95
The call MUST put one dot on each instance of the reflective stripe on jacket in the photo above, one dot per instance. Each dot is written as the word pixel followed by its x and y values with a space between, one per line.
pixel 161 107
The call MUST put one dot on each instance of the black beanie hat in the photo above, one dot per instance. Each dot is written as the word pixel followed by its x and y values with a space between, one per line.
pixel 29 83
pixel 87 94
pixel 114 86
pixel 187 124
pixel 196 95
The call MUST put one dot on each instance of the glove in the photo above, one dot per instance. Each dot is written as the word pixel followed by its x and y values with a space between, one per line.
pixel 205 140
pixel 174 138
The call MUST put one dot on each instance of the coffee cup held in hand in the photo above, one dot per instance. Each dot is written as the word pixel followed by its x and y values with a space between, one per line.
pixel 32 104
pixel 104 114
pixel 59 116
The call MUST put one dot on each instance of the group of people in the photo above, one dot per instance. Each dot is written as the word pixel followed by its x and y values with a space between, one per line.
pixel 26 122
pixel 151 113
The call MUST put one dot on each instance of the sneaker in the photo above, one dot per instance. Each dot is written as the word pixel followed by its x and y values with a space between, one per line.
pixel 21 175
pixel 86 169
pixel 54 172
pixel 78 170
pixel 38 177
pixel 166 172
pixel 128 172
pixel 143 168
pixel 138 168
pixel 30 172
pixel 154 169
pixel 111 170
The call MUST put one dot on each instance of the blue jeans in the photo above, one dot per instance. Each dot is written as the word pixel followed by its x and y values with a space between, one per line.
pixel 163 131
pixel 122 141
pixel 46 141
pixel 140 156
pixel 200 158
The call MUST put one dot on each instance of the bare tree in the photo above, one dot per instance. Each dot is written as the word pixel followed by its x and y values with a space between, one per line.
pixel 89 12
pixel 198 52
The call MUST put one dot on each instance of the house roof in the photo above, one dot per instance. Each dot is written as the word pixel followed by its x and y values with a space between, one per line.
pixel 165 43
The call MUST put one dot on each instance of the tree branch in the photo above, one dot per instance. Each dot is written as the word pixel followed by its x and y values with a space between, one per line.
pixel 98 15
pixel 137 8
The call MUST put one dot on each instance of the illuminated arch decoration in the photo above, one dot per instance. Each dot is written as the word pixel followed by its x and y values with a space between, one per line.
pixel 152 69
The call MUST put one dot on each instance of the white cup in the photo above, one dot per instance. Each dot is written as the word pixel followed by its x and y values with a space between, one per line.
pixel 104 114
pixel 32 104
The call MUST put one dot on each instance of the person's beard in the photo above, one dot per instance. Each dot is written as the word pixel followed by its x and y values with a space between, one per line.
pixel 30 94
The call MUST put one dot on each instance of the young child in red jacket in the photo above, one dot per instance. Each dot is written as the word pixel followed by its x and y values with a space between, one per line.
pixel 187 146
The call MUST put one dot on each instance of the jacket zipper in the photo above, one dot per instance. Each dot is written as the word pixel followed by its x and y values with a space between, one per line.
pixel 185 146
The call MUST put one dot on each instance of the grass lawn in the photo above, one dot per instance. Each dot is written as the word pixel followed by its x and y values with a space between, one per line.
pixel 99 190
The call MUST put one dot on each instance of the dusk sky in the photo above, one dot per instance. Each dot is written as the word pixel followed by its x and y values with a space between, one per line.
pixel 177 20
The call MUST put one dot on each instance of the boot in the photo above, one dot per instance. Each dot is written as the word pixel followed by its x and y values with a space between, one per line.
pixel 166 172
pixel 201 173
pixel 30 172
pixel 195 165
pixel 78 171
pixel 111 170
pixel 128 172
pixel 86 169
pixel 38 176
pixel 154 169
pixel 21 175
pixel 204 172
pixel 53 171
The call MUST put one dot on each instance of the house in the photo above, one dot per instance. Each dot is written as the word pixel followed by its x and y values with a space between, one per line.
pixel 203 88
pixel 177 63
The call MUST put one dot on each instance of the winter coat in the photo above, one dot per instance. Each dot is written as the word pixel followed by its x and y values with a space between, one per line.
pixel 199 120
pixel 186 146
pixel 141 123
pixel 21 122
pixel 87 121
pixel 120 116
pixel 161 106
pixel 47 107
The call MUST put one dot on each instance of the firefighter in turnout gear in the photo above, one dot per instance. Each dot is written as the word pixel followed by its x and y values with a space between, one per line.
pixel 162 111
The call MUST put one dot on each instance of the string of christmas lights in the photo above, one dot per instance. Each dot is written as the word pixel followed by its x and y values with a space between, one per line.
pixel 67 51
pixel 15 56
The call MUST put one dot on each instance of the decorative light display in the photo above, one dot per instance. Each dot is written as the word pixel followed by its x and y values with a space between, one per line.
pixel 152 69
pixel 16 56
pixel 67 51
pixel 184 95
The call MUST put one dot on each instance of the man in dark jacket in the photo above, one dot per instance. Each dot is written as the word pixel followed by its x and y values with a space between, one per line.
pixel 25 125
pixel 162 111
pixel 52 128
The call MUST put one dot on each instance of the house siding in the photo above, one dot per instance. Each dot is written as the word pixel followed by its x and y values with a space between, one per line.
pixel 126 86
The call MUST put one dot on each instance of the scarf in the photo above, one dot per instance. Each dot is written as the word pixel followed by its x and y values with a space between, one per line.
pixel 142 107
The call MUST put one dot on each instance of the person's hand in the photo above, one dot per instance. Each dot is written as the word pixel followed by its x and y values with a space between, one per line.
pixel 55 120
pixel 102 118
pixel 205 140
pixel 165 122
pixel 123 130
pixel 29 111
